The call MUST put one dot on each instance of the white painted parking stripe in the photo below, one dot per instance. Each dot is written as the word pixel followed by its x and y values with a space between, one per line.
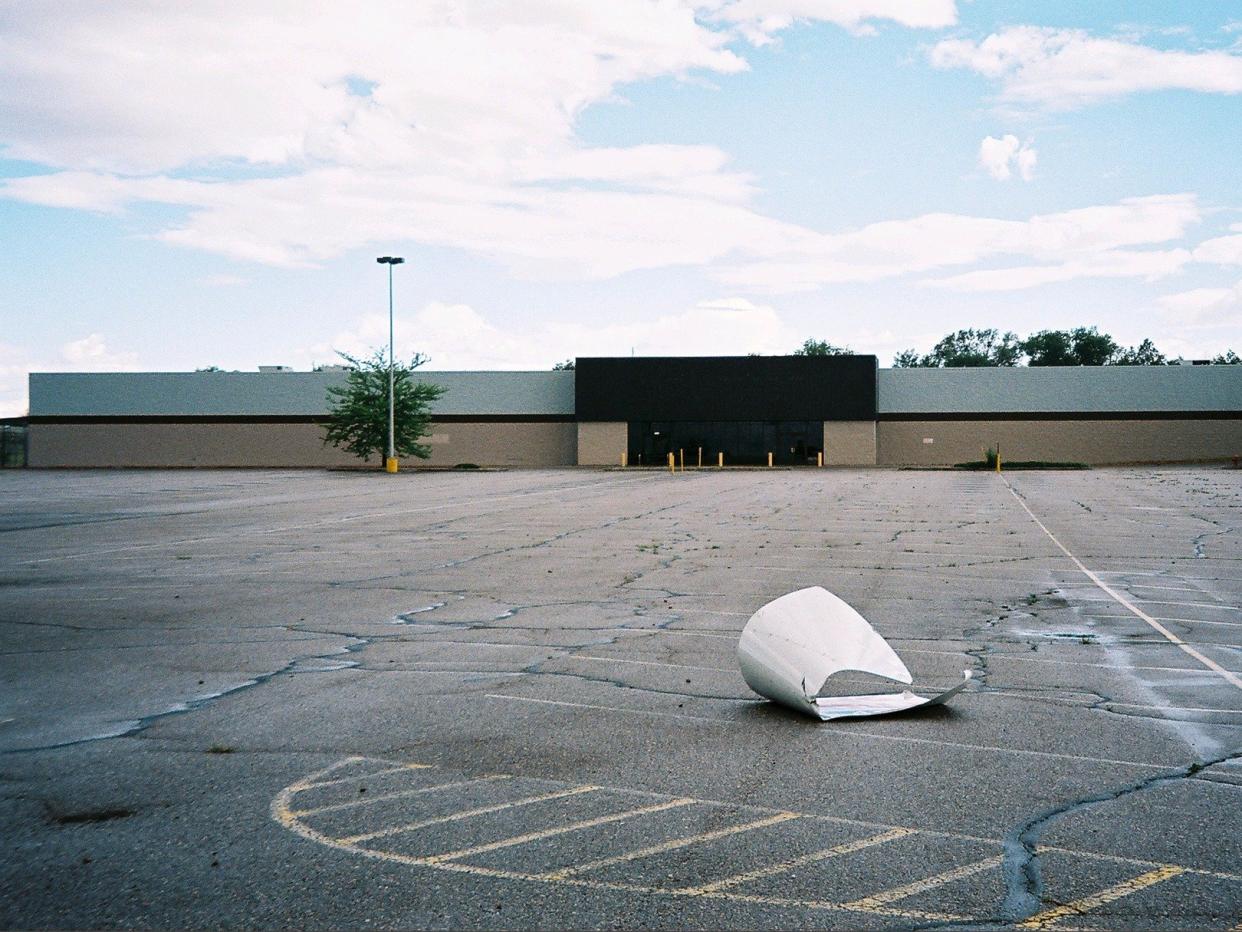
pixel 342 519
pixel 1219 606
pixel 847 734
pixel 1199 621
pixel 653 663
pixel 1122 600
pixel 1170 588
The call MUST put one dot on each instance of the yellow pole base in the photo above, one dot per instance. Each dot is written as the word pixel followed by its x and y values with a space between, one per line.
pixel 390 464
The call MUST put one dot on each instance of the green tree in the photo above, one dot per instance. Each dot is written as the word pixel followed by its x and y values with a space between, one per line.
pixel 1049 348
pixel 813 347
pixel 1092 348
pixel 973 348
pixel 566 366
pixel 358 410
pixel 1227 358
pixel 908 359
pixel 1145 354
pixel 1082 346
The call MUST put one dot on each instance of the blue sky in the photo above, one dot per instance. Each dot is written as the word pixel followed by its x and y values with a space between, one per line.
pixel 209 184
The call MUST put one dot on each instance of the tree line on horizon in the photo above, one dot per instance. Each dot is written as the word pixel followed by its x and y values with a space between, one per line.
pixel 1082 346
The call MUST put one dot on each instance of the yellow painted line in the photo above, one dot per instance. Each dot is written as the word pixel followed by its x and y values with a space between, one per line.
pixel 558 830
pixel 465 814
pixel 673 845
pixel 281 812
pixel 363 776
pixel 1126 603
pixel 354 803
pixel 848 847
pixel 921 886
pixel 1048 917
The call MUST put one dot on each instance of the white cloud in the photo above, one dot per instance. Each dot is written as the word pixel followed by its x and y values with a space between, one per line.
pixel 88 354
pixel 300 131
pixel 1086 242
pixel 1223 250
pixel 14 369
pixel 91 354
pixel 1145 264
pixel 456 336
pixel 1066 68
pixel 759 20
pixel 129 87
pixel 454 126
pixel 1205 307
pixel 1000 156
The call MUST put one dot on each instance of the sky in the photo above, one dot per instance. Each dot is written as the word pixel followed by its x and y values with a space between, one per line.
pixel 209 183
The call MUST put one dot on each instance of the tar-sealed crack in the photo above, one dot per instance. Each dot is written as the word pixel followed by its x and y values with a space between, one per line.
pixel 328 662
pixel 1020 865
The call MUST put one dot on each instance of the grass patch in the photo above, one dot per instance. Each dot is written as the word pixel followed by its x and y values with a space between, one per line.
pixel 219 749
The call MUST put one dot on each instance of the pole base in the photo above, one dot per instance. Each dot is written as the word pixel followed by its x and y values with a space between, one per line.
pixel 390 464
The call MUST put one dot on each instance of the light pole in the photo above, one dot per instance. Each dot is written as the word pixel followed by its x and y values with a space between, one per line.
pixel 390 461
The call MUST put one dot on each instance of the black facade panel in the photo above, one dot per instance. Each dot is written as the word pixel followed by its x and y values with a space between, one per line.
pixel 726 388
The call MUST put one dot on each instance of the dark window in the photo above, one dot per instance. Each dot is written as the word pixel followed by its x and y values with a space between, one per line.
pixel 743 443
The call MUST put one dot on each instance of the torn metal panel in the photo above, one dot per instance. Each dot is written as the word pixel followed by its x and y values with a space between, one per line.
pixel 792 645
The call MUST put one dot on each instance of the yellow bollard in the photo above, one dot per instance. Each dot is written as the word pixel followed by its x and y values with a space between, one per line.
pixel 720 460
pixel 820 461
pixel 998 461
pixel 624 459
pixel 672 464
pixel 681 455
pixel 390 464
pixel 769 460
pixel 700 457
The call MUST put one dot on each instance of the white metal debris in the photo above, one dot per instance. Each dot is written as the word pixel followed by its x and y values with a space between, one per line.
pixel 792 645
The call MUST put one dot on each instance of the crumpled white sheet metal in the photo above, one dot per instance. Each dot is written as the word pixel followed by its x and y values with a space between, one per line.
pixel 792 645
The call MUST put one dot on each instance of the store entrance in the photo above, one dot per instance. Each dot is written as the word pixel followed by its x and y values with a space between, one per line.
pixel 743 443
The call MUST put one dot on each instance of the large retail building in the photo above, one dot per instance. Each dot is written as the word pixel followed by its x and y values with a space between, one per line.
pixel 744 408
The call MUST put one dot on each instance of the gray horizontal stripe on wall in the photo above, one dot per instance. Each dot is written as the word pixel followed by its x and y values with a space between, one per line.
pixel 1059 390
pixel 283 394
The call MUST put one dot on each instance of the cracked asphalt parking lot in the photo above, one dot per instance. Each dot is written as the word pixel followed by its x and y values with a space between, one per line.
pixel 511 700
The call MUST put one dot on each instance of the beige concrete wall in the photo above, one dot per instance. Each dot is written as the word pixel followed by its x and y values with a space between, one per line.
pixel 849 443
pixel 277 445
pixel 1085 441
pixel 601 443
